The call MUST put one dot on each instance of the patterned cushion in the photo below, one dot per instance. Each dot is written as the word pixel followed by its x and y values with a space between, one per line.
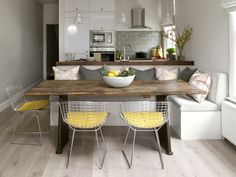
pixel 166 73
pixel 69 74
pixel 201 81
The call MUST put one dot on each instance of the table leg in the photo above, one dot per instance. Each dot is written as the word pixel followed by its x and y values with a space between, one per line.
pixel 63 130
pixel 165 139
pixel 164 132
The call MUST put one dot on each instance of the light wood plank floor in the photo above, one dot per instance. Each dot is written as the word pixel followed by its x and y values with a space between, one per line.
pixel 191 158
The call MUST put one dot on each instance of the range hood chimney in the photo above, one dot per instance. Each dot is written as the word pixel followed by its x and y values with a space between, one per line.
pixel 138 18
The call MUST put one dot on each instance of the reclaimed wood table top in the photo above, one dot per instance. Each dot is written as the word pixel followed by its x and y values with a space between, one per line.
pixel 94 88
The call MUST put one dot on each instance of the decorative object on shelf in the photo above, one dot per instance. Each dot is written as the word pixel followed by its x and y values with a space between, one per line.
pixel 118 54
pixel 157 53
pixel 171 52
pixel 180 39
pixel 69 56
pixel 78 18
pixel 118 79
pixel 141 54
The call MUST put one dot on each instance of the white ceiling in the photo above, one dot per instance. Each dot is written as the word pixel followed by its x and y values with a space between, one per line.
pixel 48 1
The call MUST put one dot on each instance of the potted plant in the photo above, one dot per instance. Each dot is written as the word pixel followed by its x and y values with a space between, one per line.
pixel 171 52
pixel 180 39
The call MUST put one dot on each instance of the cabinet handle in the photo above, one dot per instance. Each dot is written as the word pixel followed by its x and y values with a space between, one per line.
pixel 101 9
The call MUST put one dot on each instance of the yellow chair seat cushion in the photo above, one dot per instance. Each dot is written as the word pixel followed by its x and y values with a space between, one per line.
pixel 144 119
pixel 86 119
pixel 33 105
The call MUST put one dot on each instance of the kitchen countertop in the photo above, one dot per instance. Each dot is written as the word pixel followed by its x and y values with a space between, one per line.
pixel 132 62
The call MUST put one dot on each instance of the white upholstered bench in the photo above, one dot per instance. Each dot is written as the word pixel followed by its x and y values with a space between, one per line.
pixel 192 120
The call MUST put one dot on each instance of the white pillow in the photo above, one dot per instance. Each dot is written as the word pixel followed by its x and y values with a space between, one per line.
pixel 201 81
pixel 163 73
pixel 66 74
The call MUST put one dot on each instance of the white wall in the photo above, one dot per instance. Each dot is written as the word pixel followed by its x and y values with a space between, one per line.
pixel 209 46
pixel 50 16
pixel 152 12
pixel 21 40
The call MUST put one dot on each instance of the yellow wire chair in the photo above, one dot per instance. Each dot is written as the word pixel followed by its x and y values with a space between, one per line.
pixel 144 116
pixel 21 105
pixel 85 116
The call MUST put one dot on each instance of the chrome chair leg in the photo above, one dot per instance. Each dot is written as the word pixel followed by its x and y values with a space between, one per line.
pixel 71 147
pixel 25 133
pixel 126 138
pixel 100 158
pixel 129 162
pixel 159 148
pixel 39 127
pixel 103 140
pixel 14 131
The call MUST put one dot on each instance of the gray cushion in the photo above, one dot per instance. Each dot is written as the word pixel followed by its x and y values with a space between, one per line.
pixel 88 74
pixel 188 104
pixel 186 74
pixel 148 74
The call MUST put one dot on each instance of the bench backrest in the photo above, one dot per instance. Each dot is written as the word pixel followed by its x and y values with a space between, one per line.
pixel 219 88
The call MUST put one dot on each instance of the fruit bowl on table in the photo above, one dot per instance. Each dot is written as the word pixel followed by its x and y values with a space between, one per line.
pixel 118 81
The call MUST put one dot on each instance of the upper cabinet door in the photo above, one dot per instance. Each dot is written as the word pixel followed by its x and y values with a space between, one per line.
pixel 102 20
pixel 71 5
pixel 76 36
pixel 102 5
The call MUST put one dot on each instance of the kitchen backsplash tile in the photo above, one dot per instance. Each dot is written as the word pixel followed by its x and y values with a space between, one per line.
pixel 139 40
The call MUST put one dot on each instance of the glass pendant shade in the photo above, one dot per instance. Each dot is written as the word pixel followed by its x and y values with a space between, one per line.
pixel 123 18
pixel 77 18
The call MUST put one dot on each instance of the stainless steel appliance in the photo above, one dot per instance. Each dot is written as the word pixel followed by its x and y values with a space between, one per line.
pixel 102 38
pixel 138 18
pixel 107 54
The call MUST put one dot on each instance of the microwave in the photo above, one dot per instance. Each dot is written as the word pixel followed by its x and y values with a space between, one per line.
pixel 102 38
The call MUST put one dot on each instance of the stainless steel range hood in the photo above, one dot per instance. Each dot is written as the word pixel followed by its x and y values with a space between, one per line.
pixel 138 18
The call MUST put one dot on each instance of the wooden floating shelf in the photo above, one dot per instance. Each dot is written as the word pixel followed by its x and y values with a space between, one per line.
pixel 128 63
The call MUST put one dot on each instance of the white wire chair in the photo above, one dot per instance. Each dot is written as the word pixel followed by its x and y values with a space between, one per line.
pixel 20 104
pixel 85 116
pixel 144 116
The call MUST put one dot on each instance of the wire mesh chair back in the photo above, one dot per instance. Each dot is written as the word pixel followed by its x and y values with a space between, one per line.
pixel 145 114
pixel 84 114
pixel 16 95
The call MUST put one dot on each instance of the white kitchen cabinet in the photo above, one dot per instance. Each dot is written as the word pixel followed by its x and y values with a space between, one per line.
pixel 102 20
pixel 229 121
pixel 71 5
pixel 77 37
pixel 102 5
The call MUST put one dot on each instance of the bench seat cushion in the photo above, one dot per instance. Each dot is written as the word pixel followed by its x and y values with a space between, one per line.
pixel 187 104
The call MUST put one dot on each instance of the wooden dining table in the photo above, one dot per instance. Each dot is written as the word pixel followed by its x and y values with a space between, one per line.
pixel 65 88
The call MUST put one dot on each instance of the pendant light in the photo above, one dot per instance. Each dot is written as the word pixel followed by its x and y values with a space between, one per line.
pixel 123 18
pixel 78 18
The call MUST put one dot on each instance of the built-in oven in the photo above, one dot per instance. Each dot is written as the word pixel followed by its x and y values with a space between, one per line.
pixel 102 38
pixel 107 54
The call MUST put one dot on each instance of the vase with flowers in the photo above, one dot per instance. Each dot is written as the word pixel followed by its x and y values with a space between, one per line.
pixel 180 39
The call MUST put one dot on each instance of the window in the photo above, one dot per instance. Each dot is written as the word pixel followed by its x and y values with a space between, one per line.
pixel 232 64
pixel 168 42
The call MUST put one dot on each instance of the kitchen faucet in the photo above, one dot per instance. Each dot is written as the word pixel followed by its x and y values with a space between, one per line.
pixel 124 53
